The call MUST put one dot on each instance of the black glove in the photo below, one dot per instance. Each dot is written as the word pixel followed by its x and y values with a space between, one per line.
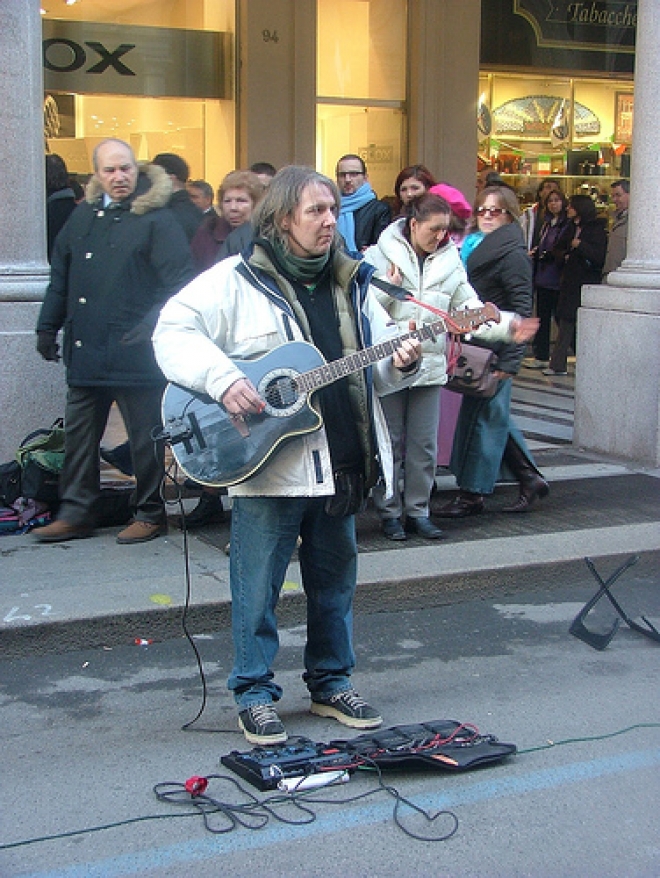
pixel 47 345
pixel 140 333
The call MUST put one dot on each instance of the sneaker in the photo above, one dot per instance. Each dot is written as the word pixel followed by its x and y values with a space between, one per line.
pixel 140 532
pixel 532 363
pixel 261 725
pixel 554 372
pixel 348 708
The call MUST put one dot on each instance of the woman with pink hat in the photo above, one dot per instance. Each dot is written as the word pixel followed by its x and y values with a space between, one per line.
pixel 461 210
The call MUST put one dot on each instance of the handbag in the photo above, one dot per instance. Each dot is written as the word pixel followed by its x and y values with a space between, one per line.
pixel 471 371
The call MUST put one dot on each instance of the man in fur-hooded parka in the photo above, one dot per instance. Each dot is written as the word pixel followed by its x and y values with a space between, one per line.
pixel 119 258
pixel 113 268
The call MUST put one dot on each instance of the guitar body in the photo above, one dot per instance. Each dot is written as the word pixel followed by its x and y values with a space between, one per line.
pixel 212 448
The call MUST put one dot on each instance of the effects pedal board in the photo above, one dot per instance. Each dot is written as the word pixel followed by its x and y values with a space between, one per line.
pixel 265 767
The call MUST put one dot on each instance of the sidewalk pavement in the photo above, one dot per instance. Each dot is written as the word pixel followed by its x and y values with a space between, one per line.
pixel 94 592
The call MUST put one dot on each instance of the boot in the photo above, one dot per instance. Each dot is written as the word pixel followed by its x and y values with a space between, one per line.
pixel 208 511
pixel 532 484
pixel 120 458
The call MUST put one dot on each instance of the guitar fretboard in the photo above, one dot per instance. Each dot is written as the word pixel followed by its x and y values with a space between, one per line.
pixel 326 374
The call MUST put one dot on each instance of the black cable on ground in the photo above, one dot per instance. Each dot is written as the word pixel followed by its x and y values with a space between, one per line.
pixel 178 501
pixel 175 793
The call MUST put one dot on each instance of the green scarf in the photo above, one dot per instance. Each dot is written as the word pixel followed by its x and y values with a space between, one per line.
pixel 306 271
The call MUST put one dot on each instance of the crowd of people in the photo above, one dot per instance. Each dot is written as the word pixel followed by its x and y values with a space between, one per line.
pixel 153 282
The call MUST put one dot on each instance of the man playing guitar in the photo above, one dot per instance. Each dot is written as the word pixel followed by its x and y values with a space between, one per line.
pixel 297 284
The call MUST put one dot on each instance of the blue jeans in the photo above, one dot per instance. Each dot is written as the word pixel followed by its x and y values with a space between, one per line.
pixel 263 537
pixel 483 429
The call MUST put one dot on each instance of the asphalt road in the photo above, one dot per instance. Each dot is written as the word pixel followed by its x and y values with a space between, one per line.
pixel 85 736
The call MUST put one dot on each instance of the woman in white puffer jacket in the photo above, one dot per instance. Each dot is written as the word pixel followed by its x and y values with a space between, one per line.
pixel 416 252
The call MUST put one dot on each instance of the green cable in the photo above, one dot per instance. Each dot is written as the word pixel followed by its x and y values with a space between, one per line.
pixel 552 744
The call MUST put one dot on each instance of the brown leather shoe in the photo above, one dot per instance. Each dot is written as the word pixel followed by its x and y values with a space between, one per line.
pixel 461 506
pixel 60 531
pixel 140 532
pixel 531 490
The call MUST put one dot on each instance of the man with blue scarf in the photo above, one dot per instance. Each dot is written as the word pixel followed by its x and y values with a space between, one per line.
pixel 362 216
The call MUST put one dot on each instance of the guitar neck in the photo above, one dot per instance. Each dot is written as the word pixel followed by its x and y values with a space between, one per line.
pixel 333 371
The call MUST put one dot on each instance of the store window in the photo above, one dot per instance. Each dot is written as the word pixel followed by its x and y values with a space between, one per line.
pixel 158 75
pixel 361 86
pixel 556 92
pixel 575 128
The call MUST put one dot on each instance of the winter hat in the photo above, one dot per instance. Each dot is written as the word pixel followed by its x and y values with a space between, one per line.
pixel 454 198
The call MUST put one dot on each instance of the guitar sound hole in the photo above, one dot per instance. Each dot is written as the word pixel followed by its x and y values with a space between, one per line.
pixel 281 393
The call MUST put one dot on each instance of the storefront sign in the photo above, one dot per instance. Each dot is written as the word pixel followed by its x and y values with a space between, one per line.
pixel 89 58
pixel 585 24
pixel 377 154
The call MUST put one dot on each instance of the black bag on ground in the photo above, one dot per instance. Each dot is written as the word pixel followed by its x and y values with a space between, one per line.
pixel 444 744
pixel 113 505
pixel 41 458
pixel 10 483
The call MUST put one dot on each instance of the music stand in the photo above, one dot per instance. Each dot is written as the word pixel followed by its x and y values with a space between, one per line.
pixel 601 640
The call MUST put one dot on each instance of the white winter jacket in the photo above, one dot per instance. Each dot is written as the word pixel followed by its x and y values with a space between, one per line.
pixel 222 317
pixel 441 281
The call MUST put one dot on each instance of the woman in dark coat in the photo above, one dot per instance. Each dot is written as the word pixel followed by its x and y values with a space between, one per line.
pixel 238 195
pixel 60 199
pixel 500 270
pixel 582 248
pixel 547 275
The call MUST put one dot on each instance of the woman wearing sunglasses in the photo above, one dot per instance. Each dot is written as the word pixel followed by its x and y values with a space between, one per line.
pixel 500 270
pixel 417 253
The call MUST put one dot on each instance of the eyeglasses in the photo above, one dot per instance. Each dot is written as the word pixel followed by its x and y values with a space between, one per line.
pixel 350 174
pixel 491 211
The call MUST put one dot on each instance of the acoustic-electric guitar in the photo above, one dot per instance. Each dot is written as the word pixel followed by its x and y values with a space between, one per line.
pixel 216 449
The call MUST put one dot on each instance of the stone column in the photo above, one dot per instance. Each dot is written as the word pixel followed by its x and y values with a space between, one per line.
pixel 443 88
pixel 617 387
pixel 276 98
pixel 32 392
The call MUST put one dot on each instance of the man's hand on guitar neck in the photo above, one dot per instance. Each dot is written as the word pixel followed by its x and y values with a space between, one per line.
pixel 242 399
pixel 408 352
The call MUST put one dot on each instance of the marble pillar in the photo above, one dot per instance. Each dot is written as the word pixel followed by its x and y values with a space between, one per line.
pixel 31 391
pixel 617 386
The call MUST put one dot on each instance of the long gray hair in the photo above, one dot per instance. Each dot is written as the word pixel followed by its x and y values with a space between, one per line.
pixel 283 197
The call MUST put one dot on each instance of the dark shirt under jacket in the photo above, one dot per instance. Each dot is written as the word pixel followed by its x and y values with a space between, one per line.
pixel 187 213
pixel 370 221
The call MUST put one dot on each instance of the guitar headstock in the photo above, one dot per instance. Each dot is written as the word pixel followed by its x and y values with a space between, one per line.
pixel 473 318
